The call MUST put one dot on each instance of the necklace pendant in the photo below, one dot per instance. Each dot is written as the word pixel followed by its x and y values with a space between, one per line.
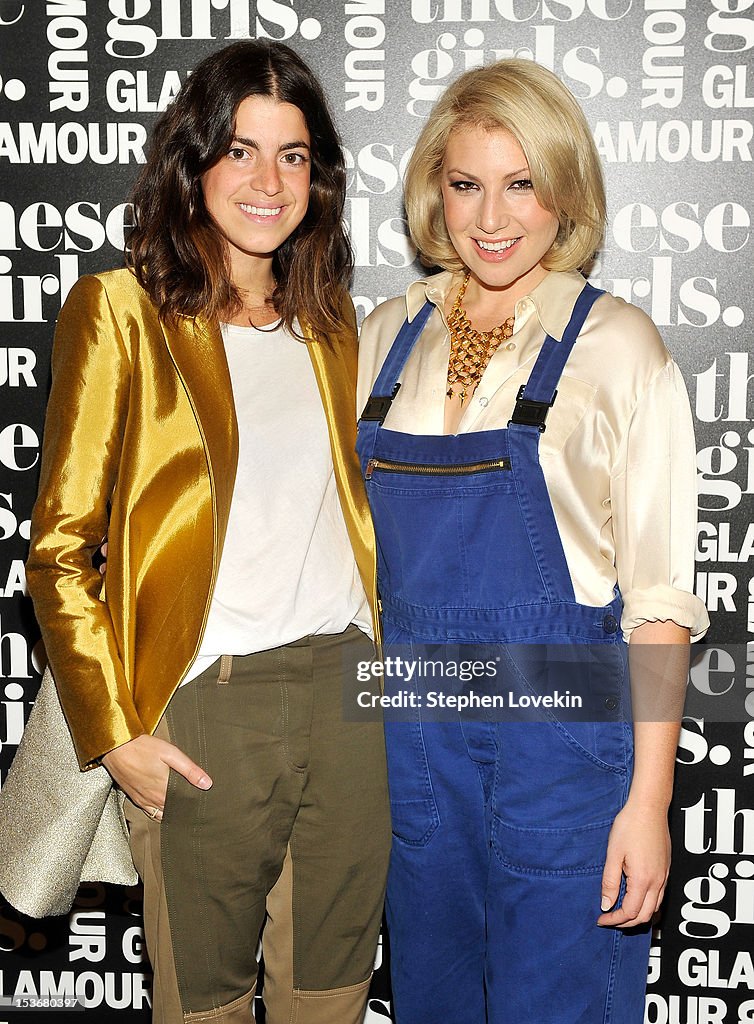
pixel 449 393
pixel 462 397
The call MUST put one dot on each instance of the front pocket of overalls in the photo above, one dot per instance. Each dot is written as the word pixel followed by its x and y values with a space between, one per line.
pixel 559 784
pixel 553 802
pixel 600 730
pixel 433 531
pixel 413 808
pixel 543 851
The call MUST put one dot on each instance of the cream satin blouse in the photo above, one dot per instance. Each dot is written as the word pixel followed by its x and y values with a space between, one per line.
pixel 618 453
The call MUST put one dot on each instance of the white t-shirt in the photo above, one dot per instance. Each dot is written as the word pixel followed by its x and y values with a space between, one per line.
pixel 287 569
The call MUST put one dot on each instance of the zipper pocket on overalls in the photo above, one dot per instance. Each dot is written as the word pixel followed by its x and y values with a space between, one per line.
pixel 461 469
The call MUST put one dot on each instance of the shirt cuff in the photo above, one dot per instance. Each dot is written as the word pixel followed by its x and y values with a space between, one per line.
pixel 663 602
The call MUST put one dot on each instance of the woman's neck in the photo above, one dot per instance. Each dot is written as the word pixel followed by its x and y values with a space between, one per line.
pixel 487 307
pixel 255 284
pixel 255 312
pixel 256 309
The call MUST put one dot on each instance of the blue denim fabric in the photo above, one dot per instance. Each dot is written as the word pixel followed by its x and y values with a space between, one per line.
pixel 500 828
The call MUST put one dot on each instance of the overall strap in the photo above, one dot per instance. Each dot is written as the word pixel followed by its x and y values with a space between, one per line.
pixel 538 394
pixel 524 429
pixel 386 386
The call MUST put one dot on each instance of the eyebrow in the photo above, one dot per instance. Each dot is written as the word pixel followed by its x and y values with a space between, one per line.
pixel 466 174
pixel 253 144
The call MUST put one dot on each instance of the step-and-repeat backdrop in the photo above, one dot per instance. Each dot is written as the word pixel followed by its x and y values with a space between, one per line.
pixel 668 88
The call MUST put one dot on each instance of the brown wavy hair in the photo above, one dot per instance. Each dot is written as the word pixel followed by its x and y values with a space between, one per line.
pixel 177 251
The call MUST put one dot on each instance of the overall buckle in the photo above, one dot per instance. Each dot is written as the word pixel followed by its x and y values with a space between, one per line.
pixel 531 413
pixel 378 406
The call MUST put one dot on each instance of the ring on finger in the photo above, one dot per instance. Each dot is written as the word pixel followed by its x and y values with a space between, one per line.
pixel 154 813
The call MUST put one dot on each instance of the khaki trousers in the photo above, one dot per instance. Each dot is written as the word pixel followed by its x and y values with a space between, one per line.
pixel 291 841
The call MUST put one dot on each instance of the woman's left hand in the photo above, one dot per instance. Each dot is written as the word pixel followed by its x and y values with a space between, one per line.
pixel 639 848
pixel 639 844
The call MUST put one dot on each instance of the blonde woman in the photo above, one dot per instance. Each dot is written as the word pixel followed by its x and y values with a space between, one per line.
pixel 528 454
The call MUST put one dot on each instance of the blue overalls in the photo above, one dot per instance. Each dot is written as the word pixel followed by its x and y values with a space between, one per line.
pixel 500 827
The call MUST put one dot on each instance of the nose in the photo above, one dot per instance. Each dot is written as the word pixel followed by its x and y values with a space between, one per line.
pixel 494 213
pixel 266 177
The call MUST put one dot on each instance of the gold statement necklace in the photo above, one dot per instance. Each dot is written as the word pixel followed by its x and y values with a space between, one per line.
pixel 470 350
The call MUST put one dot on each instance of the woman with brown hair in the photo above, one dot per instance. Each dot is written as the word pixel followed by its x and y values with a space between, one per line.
pixel 201 416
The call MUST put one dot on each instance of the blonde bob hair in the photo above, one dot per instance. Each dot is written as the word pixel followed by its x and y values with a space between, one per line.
pixel 532 104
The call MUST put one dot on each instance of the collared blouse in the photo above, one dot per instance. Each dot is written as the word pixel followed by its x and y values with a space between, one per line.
pixel 618 453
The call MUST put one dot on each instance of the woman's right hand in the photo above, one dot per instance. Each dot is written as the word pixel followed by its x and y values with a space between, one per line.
pixel 141 768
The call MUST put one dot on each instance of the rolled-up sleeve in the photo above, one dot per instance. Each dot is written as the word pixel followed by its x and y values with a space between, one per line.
pixel 654 506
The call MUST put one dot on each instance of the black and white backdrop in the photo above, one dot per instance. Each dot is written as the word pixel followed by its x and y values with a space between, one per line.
pixel 668 88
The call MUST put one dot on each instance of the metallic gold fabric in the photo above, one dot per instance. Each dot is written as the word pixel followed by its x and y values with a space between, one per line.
pixel 141 421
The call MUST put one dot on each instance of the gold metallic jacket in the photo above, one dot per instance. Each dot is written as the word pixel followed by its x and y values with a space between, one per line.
pixel 141 445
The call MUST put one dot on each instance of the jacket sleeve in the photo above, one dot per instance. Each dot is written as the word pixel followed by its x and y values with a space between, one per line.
pixel 86 415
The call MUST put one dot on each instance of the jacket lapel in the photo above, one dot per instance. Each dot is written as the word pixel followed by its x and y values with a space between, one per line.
pixel 334 365
pixel 197 350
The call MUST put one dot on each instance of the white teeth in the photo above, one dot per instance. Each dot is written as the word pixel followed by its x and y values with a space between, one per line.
pixel 495 246
pixel 260 211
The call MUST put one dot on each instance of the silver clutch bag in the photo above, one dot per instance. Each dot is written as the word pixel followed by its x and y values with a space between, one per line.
pixel 59 826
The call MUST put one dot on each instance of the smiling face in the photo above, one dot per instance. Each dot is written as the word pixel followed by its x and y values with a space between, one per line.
pixel 258 193
pixel 494 221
